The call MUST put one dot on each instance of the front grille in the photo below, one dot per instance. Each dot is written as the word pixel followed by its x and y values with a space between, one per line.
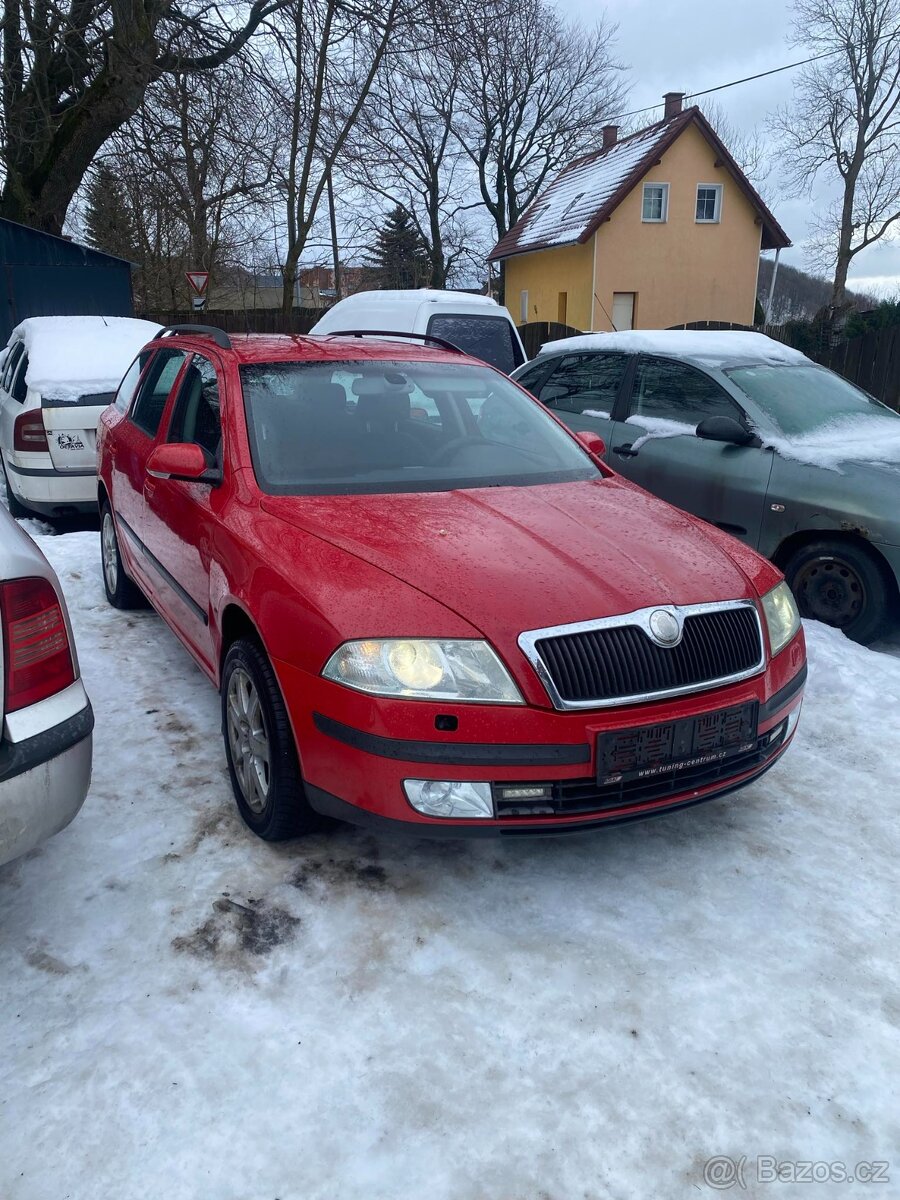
pixel 582 797
pixel 612 663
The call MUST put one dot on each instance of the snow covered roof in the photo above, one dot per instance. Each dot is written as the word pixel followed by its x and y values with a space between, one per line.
pixel 589 189
pixel 70 357
pixel 710 345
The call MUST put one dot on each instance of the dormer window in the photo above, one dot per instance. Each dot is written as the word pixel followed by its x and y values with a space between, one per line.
pixel 709 203
pixel 655 208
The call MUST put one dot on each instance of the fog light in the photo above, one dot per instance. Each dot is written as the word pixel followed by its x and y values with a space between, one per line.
pixel 543 791
pixel 444 798
pixel 792 720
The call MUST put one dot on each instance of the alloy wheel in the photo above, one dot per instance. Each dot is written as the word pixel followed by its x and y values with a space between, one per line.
pixel 110 553
pixel 248 740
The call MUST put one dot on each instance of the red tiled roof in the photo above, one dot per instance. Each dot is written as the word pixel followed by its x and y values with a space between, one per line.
pixel 587 192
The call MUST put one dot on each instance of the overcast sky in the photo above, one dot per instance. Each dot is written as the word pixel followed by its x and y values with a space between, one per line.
pixel 689 45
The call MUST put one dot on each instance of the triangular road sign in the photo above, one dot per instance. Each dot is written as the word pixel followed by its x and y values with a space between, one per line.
pixel 198 281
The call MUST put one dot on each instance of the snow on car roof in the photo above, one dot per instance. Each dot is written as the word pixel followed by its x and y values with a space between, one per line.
pixel 711 345
pixel 70 357
pixel 419 295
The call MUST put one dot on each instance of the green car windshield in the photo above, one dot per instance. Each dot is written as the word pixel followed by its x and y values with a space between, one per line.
pixel 800 399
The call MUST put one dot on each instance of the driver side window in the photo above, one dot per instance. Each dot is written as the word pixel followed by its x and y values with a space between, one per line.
pixel 674 391
pixel 196 417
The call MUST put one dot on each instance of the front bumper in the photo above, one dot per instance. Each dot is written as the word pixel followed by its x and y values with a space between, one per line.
pixel 356 751
pixel 43 782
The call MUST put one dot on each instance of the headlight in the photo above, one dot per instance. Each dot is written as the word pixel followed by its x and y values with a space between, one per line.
pixel 425 670
pixel 782 616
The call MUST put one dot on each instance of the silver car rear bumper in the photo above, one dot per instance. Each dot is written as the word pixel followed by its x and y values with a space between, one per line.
pixel 43 782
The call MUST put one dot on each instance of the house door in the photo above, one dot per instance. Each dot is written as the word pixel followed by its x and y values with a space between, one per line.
pixel 623 311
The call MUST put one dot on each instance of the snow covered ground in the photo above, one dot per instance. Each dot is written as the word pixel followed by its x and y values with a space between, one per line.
pixel 189 1013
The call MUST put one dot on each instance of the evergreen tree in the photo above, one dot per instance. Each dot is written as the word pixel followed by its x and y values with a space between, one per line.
pixel 400 258
pixel 108 221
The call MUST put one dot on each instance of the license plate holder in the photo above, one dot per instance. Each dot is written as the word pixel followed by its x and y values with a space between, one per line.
pixel 655 751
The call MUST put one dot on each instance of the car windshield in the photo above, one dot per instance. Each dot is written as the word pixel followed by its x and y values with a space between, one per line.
pixel 399 426
pixel 800 399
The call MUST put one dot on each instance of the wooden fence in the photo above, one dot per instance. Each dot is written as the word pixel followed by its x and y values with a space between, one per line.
pixel 242 320
pixel 535 333
pixel 872 361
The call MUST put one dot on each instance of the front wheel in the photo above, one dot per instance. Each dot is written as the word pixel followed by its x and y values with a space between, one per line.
pixel 842 585
pixel 260 748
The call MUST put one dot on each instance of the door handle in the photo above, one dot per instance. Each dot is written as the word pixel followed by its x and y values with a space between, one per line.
pixel 625 451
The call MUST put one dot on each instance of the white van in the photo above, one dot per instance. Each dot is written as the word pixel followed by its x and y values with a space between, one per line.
pixel 476 324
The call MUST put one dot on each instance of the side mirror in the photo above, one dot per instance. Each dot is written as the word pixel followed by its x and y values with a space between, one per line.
pixel 592 442
pixel 182 460
pixel 724 429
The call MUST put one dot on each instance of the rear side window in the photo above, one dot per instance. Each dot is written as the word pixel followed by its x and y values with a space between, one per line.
pixel 196 417
pixel 19 386
pixel 127 387
pixel 12 361
pixel 154 391
pixel 488 338
pixel 585 383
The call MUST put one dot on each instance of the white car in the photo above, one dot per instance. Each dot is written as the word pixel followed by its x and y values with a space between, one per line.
pixel 46 717
pixel 57 376
pixel 476 324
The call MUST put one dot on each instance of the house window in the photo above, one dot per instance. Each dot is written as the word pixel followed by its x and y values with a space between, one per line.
pixel 523 307
pixel 709 203
pixel 656 202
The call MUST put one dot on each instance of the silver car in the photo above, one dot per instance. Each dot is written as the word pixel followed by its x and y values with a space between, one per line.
pixel 47 720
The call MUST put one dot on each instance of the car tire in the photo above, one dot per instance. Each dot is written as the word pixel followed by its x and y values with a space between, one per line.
pixel 121 590
pixel 843 585
pixel 259 745
pixel 16 508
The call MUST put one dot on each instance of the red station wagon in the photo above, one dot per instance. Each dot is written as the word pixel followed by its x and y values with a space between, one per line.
pixel 427 604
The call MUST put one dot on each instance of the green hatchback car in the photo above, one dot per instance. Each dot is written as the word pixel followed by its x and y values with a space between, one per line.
pixel 757 439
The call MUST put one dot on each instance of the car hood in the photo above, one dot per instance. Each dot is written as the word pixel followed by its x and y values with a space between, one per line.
pixel 522 558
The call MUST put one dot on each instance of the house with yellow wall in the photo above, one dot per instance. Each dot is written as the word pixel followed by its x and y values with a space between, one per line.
pixel 656 229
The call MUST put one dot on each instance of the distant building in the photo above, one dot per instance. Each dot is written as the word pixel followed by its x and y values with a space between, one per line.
pixel 657 229
pixel 314 288
pixel 46 276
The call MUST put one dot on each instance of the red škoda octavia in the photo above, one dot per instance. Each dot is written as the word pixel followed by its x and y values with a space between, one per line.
pixel 427 605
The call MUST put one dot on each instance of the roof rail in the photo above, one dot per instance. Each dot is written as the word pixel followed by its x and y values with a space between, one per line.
pixel 397 333
pixel 219 336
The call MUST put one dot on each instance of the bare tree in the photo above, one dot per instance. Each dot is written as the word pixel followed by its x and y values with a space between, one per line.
pixel 747 148
pixel 331 52
pixel 534 92
pixel 210 142
pixel 404 151
pixel 75 71
pixel 845 123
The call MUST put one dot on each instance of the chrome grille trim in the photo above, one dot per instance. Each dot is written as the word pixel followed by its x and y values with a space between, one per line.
pixel 641 619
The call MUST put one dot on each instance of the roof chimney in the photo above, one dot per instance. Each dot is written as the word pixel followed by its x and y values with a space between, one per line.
pixel 610 136
pixel 673 104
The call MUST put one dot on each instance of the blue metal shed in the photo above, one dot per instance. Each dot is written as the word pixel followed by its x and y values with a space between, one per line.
pixel 46 276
